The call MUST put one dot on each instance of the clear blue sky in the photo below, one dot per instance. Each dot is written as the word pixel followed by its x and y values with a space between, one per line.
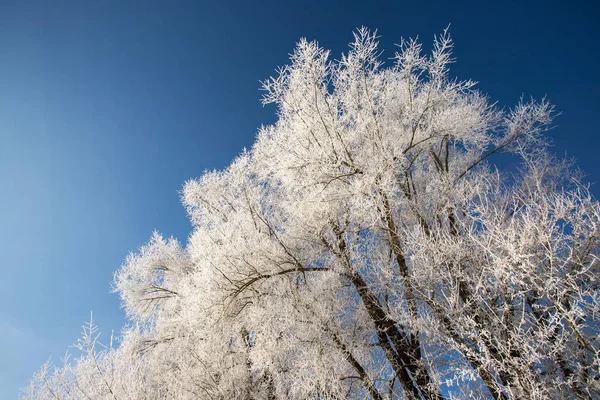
pixel 107 107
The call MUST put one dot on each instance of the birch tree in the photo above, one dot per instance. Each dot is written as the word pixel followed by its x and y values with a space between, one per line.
pixel 366 247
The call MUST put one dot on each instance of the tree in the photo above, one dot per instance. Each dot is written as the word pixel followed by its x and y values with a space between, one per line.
pixel 366 248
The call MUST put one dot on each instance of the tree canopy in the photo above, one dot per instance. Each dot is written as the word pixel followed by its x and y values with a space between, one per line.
pixel 365 247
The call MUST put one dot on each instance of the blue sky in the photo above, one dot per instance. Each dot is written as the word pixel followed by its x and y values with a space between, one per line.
pixel 107 107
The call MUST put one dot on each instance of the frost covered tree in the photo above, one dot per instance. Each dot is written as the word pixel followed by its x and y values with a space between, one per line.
pixel 365 247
